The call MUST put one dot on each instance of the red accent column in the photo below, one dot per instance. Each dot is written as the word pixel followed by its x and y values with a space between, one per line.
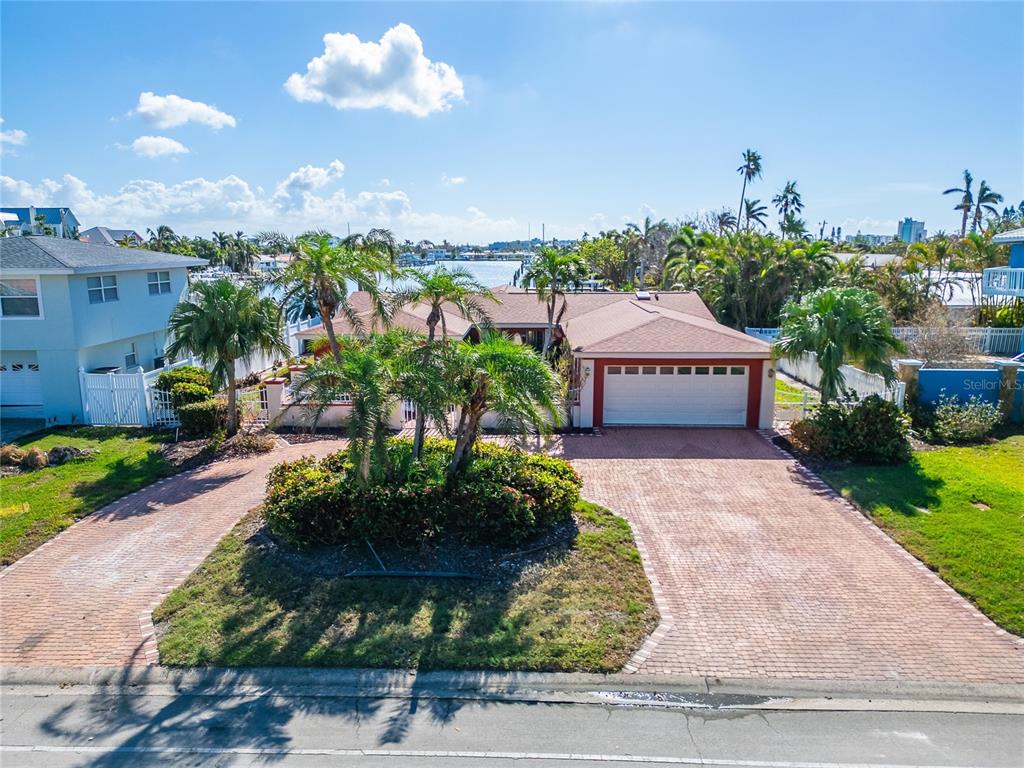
pixel 598 415
pixel 754 393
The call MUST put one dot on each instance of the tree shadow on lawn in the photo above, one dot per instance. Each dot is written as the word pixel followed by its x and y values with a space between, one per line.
pixel 905 488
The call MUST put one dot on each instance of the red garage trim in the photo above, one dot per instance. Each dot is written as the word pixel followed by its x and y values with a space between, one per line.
pixel 754 382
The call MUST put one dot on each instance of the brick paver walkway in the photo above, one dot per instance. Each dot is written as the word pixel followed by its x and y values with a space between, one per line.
pixel 762 572
pixel 85 597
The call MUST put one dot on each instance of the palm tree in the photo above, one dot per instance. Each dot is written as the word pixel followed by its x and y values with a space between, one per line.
pixel 839 325
pixel 459 290
pixel 508 379
pixel 646 239
pixel 754 211
pixel 320 275
pixel 724 221
pixel 750 170
pixel 220 323
pixel 966 201
pixel 788 202
pixel 794 227
pixel 551 274
pixel 683 254
pixel 985 202
pixel 162 239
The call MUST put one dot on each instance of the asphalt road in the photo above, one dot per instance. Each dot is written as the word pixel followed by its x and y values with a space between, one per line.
pixel 58 727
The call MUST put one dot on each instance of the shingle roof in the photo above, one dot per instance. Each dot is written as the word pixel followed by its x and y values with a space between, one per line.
pixel 522 307
pixel 1012 236
pixel 644 328
pixel 412 318
pixel 39 252
pixel 106 236
pixel 599 323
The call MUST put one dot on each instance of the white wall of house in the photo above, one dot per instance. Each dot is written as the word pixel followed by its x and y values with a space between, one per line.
pixel 767 416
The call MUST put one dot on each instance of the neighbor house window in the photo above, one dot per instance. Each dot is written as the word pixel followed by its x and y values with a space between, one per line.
pixel 159 282
pixel 131 359
pixel 102 288
pixel 19 297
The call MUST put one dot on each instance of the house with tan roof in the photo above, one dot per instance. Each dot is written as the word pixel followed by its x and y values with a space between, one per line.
pixel 638 359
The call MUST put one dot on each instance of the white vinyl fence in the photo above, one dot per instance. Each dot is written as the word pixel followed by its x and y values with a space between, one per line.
pixel 806 369
pixel 132 399
pixel 987 341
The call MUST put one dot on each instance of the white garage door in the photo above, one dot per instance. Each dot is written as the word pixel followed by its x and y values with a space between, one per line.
pixel 678 395
pixel 20 383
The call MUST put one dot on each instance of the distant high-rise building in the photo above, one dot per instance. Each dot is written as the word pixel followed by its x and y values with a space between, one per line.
pixel 910 231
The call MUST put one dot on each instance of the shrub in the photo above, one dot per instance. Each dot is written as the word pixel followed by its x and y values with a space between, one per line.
pixel 872 431
pixel 506 496
pixel 186 392
pixel 11 455
pixel 202 419
pixel 187 373
pixel 958 423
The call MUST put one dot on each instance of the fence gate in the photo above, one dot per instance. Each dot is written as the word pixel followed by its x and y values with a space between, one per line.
pixel 114 398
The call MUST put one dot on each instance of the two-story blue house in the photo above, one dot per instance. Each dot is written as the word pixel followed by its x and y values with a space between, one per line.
pixel 59 222
pixel 1007 281
pixel 66 305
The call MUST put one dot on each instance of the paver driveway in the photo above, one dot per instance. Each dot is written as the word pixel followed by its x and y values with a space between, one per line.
pixel 762 572
pixel 85 597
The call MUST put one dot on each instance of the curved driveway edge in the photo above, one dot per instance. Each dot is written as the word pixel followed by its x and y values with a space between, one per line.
pixel 764 572
pixel 85 597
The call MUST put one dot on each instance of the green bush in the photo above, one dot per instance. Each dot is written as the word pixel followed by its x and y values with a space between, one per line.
pixel 506 496
pixel 190 374
pixel 960 423
pixel 185 392
pixel 204 418
pixel 872 431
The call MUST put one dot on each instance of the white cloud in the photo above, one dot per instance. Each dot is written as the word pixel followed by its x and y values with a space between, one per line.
pixel 293 189
pixel 392 73
pixel 298 203
pixel 452 181
pixel 171 111
pixel 157 146
pixel 14 136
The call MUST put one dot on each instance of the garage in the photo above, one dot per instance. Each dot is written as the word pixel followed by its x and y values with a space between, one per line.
pixel 20 382
pixel 676 395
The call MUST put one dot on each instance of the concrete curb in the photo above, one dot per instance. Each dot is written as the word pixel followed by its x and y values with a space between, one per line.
pixel 367 682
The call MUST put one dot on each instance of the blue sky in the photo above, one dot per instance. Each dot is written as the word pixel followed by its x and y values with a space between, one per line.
pixel 580 116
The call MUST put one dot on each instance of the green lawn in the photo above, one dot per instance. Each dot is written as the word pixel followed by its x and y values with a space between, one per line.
pixel 35 506
pixel 587 607
pixel 961 511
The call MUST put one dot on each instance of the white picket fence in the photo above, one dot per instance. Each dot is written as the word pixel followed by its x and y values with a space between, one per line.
pixel 987 341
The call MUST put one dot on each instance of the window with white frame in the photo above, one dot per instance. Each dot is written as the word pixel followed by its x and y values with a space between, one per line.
pixel 159 282
pixel 131 359
pixel 102 288
pixel 19 297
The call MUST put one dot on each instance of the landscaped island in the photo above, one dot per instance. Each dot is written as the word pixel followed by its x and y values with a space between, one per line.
pixel 517 572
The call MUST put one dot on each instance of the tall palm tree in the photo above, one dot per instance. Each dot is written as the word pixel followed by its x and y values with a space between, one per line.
pixel 754 211
pixel 551 274
pixel 320 275
pixel 220 323
pixel 840 325
pixel 162 239
pixel 463 294
pixel 506 378
pixel 787 202
pixel 985 202
pixel 966 200
pixel 725 220
pixel 750 170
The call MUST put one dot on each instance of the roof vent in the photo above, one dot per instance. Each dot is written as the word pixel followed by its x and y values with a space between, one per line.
pixel 643 296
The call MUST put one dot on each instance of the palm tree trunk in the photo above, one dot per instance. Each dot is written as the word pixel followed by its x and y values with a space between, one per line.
pixel 550 329
pixel 325 317
pixel 963 224
pixel 739 213
pixel 468 428
pixel 232 426
pixel 419 431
